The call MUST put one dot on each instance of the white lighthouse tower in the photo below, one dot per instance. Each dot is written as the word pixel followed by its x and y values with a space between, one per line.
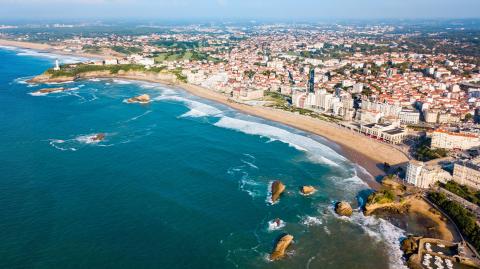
pixel 57 65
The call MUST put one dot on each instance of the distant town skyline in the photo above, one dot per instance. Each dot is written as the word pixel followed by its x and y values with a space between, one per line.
pixel 239 9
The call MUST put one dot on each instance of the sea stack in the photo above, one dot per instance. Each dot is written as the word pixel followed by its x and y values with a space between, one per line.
pixel 307 190
pixel 277 189
pixel 343 209
pixel 49 90
pixel 142 99
pixel 98 137
pixel 280 247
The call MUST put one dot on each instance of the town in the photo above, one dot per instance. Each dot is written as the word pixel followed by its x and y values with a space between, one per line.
pixel 414 91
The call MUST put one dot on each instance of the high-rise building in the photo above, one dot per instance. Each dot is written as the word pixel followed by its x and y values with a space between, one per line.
pixel 311 81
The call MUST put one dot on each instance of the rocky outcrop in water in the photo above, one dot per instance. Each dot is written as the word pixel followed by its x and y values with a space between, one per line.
pixel 142 99
pixel 277 189
pixel 343 209
pixel 49 90
pixel 98 137
pixel 280 247
pixel 307 190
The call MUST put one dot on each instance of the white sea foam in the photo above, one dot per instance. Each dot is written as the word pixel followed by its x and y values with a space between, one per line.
pixel 274 226
pixel 139 116
pixel 381 231
pixel 88 139
pixel 61 58
pixel 316 151
pixel 251 165
pixel 94 79
pixel 38 93
pixel 311 221
pixel 123 82
pixel 63 82
pixel 197 109
pixel 57 143
pixel 250 186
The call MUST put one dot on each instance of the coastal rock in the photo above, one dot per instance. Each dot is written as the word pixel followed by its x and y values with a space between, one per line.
pixel 142 99
pixel 46 78
pixel 98 137
pixel 277 188
pixel 409 245
pixel 343 209
pixel 307 190
pixel 49 90
pixel 280 247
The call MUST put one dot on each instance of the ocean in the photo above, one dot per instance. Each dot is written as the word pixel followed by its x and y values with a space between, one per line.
pixel 180 182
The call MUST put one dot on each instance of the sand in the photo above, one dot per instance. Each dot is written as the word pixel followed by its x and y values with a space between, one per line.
pixel 42 47
pixel 360 149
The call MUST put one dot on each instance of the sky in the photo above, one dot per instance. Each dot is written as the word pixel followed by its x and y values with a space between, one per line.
pixel 239 9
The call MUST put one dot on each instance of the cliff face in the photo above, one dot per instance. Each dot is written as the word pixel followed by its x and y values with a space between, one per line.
pixel 161 77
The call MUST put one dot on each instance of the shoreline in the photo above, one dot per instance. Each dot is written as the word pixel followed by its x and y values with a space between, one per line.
pixel 359 149
pixel 46 48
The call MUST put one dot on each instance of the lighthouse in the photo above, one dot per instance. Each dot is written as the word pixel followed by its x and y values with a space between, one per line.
pixel 57 66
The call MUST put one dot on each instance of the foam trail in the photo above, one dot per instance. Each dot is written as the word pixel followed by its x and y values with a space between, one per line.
pixel 316 151
pixel 197 109
pixel 311 221
pixel 139 116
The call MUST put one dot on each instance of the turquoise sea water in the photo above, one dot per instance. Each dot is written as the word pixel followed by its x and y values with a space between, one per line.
pixel 178 183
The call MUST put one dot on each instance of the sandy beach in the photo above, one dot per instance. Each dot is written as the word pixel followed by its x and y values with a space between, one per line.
pixel 42 47
pixel 367 152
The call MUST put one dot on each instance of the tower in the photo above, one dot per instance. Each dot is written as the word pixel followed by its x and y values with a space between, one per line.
pixel 57 65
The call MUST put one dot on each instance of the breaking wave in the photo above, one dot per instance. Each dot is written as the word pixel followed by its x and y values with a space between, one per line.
pixel 316 151
pixel 381 231
pixel 197 109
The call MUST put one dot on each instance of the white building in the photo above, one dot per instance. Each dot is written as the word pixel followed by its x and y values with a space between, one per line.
pixel 449 140
pixel 245 94
pixel 409 117
pixel 111 61
pixel 425 175
pixel 388 132
pixel 467 173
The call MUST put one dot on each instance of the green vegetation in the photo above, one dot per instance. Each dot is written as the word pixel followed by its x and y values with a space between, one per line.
pixel 178 73
pixel 76 69
pixel 184 55
pixel 126 50
pixel 464 219
pixel 73 70
pixel 462 191
pixel 92 49
pixel 306 112
pixel 425 153
pixel 381 197
pixel 178 44
pixel 249 73
pixel 277 98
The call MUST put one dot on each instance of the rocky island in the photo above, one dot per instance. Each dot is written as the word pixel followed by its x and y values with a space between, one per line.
pixel 277 189
pixel 141 99
pixel 307 190
pixel 343 209
pixel 49 90
pixel 280 247
pixel 98 137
